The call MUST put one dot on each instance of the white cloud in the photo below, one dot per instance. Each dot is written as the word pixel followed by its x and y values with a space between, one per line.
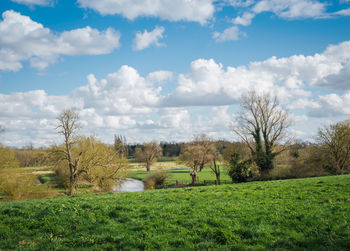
pixel 159 76
pixel 23 39
pixel 203 101
pixel 229 34
pixel 173 10
pixel 208 83
pixel 122 92
pixel 244 20
pixel 146 39
pixel 34 2
pixel 344 12
pixel 291 9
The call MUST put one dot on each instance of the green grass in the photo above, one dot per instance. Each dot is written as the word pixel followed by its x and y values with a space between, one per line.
pixel 311 214
pixel 159 165
pixel 182 175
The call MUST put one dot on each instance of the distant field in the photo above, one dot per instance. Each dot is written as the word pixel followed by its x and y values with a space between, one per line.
pixel 157 165
pixel 182 175
pixel 301 214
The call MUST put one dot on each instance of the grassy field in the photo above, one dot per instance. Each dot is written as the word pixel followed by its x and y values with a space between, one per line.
pixel 182 175
pixel 161 165
pixel 297 214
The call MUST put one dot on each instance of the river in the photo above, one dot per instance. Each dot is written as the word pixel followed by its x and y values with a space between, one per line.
pixel 129 185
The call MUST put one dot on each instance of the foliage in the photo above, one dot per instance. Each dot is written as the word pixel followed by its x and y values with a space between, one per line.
pixel 262 125
pixel 197 153
pixel 171 149
pixel 148 153
pixel 32 157
pixel 99 164
pixel 335 141
pixel 156 180
pixel 121 146
pixel 7 157
pixel 302 214
pixel 19 185
pixel 240 170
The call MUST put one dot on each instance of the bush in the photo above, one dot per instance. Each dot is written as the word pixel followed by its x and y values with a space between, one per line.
pixel 241 170
pixel 19 185
pixel 156 180
pixel 7 157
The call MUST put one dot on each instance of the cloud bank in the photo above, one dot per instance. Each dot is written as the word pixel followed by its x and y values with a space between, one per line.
pixel 204 100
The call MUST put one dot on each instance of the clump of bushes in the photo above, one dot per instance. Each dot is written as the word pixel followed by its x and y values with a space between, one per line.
pixel 18 185
pixel 156 180
pixel 242 170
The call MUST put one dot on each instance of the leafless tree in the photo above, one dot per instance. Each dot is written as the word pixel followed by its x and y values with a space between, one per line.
pixel 262 125
pixel 215 167
pixel 120 145
pixel 148 153
pixel 68 126
pixel 335 141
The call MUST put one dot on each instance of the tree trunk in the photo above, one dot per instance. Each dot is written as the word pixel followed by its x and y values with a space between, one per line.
pixel 194 177
pixel 218 178
pixel 148 167
pixel 72 186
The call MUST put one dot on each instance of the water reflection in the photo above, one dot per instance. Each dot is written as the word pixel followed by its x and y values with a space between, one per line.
pixel 129 185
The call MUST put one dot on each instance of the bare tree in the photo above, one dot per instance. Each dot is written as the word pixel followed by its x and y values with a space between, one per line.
pixel 148 153
pixel 68 126
pixel 262 126
pixel 215 167
pixel 335 141
pixel 198 153
pixel 120 145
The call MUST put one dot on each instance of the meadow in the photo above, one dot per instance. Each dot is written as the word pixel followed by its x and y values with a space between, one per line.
pixel 312 213
pixel 182 175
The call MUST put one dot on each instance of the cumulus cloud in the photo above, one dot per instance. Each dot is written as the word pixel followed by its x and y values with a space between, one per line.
pixel 173 10
pixel 203 101
pixel 24 39
pixel 146 39
pixel 229 34
pixel 209 83
pixel 122 92
pixel 34 2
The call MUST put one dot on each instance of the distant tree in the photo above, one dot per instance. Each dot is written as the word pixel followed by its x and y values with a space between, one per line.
pixel 197 153
pixel 262 126
pixel 215 167
pixel 335 142
pixel 121 145
pixel 171 149
pixel 148 153
pixel 7 157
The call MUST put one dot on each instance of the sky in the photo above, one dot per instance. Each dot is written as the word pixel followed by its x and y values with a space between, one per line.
pixel 167 70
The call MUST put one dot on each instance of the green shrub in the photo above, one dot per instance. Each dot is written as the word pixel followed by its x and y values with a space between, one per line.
pixel 19 185
pixel 240 170
pixel 156 180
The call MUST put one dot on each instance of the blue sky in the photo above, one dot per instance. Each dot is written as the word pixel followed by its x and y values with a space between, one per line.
pixel 169 69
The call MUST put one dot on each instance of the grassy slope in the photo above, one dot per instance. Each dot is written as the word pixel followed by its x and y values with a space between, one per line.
pixel 290 214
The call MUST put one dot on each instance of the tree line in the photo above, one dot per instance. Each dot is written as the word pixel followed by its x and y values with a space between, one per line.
pixel 262 127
